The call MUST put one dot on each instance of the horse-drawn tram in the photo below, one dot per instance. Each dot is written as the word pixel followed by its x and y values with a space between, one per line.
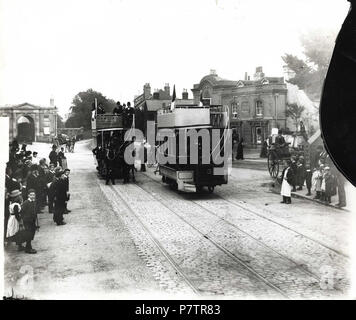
pixel 108 132
pixel 201 146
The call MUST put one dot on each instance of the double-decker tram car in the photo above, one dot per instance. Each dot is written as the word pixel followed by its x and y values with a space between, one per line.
pixel 197 149
pixel 108 131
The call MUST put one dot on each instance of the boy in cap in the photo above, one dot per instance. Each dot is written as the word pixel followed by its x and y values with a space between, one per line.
pixel 29 218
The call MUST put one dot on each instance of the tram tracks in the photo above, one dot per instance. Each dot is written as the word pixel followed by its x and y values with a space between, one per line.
pixel 125 196
pixel 187 274
pixel 245 207
pixel 262 216
pixel 314 274
pixel 167 273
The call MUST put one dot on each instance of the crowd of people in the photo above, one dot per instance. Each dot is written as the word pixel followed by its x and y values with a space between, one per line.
pixel 320 177
pixel 70 143
pixel 32 184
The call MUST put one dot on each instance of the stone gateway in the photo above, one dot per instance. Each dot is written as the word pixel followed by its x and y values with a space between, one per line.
pixel 31 123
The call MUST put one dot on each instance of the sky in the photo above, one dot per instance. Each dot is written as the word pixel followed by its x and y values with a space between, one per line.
pixel 57 48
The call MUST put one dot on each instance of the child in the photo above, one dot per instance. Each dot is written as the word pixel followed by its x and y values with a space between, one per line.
pixel 317 180
pixel 14 210
pixel 330 185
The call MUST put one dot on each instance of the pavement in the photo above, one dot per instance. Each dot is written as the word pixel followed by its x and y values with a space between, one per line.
pixel 90 257
pixel 252 160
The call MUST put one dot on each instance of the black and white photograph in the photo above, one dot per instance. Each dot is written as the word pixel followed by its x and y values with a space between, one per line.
pixel 175 149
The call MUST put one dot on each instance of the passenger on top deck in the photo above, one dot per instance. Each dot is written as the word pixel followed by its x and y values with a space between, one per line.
pixel 118 109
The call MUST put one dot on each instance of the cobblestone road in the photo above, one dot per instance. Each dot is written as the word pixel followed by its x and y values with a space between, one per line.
pixel 239 242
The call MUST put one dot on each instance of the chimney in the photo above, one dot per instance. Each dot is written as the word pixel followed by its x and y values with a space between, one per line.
pixel 213 72
pixel 147 91
pixel 51 102
pixel 167 90
pixel 259 74
pixel 248 78
pixel 245 76
pixel 156 94
pixel 185 94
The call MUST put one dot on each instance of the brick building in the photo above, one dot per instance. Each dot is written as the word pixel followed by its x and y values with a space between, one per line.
pixel 256 105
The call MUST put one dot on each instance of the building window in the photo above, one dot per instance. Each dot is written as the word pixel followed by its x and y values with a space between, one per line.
pixel 245 108
pixel 235 110
pixel 258 135
pixel 259 108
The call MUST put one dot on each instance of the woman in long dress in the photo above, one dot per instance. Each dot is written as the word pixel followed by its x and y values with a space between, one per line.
pixel 287 183
pixel 240 149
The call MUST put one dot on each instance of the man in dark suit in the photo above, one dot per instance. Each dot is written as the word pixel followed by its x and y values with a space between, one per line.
pixel 280 141
pixel 29 218
pixel 60 198
pixel 130 113
pixel 33 182
pixel 53 157
pixel 50 179
pixel 66 180
pixel 294 169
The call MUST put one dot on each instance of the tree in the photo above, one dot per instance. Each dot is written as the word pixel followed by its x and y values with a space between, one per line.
pixel 294 111
pixel 80 111
pixel 60 123
pixel 310 72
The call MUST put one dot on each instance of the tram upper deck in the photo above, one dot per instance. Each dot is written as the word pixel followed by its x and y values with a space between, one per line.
pixel 109 121
pixel 193 116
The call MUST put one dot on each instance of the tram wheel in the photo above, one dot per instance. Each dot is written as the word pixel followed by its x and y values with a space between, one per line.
pixel 199 189
pixel 211 189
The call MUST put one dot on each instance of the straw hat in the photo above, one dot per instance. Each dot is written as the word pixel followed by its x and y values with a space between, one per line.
pixel 15 193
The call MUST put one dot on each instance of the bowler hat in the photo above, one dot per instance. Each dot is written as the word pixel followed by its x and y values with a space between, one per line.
pixel 58 174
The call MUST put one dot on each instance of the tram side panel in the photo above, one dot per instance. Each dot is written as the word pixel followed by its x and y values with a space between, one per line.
pixel 199 174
